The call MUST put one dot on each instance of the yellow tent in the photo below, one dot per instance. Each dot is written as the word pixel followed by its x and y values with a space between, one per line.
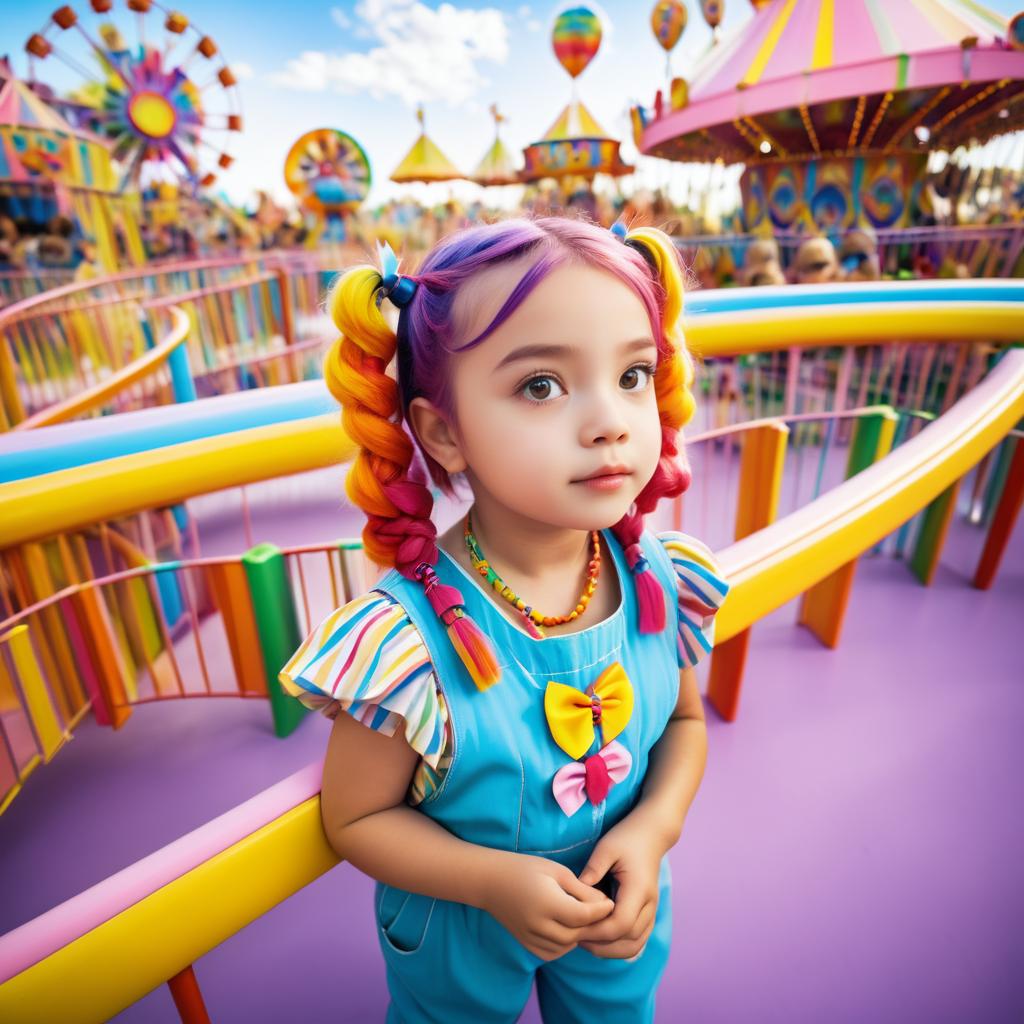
pixel 425 162
pixel 496 168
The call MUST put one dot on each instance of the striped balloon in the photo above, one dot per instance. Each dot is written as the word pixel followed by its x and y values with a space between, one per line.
pixel 576 37
pixel 668 20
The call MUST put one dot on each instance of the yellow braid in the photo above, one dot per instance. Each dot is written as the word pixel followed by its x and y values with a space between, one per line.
pixel 673 381
pixel 354 372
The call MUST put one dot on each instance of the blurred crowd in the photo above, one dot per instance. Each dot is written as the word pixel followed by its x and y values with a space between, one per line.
pixel 28 245
pixel 718 254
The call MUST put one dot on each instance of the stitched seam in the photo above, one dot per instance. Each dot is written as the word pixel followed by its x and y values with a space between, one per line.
pixel 562 849
pixel 568 672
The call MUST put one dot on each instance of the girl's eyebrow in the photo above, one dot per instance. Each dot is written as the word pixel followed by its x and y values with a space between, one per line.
pixel 555 351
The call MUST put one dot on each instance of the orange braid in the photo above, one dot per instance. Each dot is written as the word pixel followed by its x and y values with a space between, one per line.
pixel 398 531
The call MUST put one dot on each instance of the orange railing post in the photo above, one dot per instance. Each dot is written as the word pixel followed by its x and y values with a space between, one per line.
pixel 761 464
pixel 1002 522
pixel 187 997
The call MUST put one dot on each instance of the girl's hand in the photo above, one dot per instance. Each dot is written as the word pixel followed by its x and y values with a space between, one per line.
pixel 543 904
pixel 633 855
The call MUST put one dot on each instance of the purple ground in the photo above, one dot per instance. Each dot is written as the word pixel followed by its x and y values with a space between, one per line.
pixel 854 852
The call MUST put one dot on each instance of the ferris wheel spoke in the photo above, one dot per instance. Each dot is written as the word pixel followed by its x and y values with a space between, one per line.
pixel 133 171
pixel 71 63
pixel 90 42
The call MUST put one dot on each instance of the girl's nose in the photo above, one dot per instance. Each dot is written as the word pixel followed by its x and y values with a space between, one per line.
pixel 605 425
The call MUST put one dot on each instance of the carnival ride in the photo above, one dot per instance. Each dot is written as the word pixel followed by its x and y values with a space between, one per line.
pixel 834 108
pixel 162 121
pixel 329 174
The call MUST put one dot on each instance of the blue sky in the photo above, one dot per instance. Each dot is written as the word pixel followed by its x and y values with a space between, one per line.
pixel 350 65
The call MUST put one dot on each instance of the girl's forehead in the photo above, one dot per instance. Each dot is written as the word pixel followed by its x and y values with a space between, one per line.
pixel 574 302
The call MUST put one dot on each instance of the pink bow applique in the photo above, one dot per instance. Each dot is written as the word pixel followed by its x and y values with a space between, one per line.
pixel 591 779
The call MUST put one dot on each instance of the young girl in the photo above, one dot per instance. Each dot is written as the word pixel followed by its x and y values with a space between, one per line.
pixel 524 734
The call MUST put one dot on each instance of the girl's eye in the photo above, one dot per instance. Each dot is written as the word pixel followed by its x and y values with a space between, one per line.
pixel 636 378
pixel 541 389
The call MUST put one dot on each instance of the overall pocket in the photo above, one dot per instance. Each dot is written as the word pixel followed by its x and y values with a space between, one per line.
pixel 403 917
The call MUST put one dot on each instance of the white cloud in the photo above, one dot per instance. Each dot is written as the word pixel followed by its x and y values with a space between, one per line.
pixel 533 25
pixel 524 11
pixel 421 54
pixel 242 70
pixel 340 18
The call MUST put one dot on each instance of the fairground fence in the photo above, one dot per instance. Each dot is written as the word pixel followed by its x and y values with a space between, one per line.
pixel 16 285
pixel 991 250
pixel 107 601
pixel 202 889
pixel 157 335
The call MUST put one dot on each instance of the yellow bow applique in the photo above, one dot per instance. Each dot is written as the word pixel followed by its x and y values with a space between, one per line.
pixel 572 714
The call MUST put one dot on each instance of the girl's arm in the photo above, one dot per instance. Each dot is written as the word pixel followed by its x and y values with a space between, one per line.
pixel 366 820
pixel 633 849
pixel 676 764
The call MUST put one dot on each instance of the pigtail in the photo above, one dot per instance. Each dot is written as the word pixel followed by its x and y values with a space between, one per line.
pixel 383 482
pixel 673 381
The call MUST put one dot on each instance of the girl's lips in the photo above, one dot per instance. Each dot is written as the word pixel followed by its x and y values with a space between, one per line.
pixel 611 482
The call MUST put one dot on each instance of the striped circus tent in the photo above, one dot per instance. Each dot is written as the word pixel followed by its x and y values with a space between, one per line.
pixel 807 78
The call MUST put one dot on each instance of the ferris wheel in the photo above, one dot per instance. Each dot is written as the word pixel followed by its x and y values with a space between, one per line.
pixel 166 102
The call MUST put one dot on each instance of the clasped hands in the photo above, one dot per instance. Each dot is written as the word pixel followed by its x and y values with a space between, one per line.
pixel 551 911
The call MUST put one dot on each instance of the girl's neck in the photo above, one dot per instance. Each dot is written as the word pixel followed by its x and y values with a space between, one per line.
pixel 544 565
pixel 526 548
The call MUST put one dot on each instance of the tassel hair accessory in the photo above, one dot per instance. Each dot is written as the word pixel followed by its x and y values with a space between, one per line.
pixel 469 642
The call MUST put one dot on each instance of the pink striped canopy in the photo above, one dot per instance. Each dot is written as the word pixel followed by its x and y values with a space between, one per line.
pixel 798 71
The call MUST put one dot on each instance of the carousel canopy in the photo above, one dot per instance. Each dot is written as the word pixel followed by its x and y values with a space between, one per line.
pixel 575 122
pixel 39 147
pixel 574 146
pixel 20 107
pixel 806 78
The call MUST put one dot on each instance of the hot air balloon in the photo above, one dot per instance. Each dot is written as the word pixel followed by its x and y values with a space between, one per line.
pixel 668 21
pixel 576 37
pixel 713 11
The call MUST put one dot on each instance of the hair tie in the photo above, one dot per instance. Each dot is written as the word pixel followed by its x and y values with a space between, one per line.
pixel 465 636
pixel 650 597
pixel 393 285
pixel 619 229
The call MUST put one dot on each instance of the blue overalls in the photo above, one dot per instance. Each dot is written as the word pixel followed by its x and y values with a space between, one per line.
pixel 449 962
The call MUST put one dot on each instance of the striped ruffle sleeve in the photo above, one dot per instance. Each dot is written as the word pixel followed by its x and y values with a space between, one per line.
pixel 701 591
pixel 367 659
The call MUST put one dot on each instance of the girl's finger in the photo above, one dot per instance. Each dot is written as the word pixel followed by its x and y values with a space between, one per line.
pixel 615 926
pixel 574 913
pixel 644 922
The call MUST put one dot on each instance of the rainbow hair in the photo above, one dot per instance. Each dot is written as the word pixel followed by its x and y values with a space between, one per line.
pixel 385 481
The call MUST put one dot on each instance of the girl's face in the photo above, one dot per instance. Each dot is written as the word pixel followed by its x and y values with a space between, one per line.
pixel 561 392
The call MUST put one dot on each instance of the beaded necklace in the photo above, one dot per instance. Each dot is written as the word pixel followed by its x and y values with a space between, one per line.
pixel 534 619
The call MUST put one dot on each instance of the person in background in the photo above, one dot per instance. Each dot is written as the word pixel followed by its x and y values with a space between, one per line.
pixel 762 266
pixel 858 256
pixel 816 262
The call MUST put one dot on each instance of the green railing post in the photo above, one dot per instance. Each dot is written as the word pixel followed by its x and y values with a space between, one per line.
pixel 277 626
pixel 823 607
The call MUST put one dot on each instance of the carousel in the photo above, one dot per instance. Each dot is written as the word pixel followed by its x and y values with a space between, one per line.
pixel 833 108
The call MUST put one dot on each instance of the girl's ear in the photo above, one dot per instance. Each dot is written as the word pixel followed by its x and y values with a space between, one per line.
pixel 436 436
